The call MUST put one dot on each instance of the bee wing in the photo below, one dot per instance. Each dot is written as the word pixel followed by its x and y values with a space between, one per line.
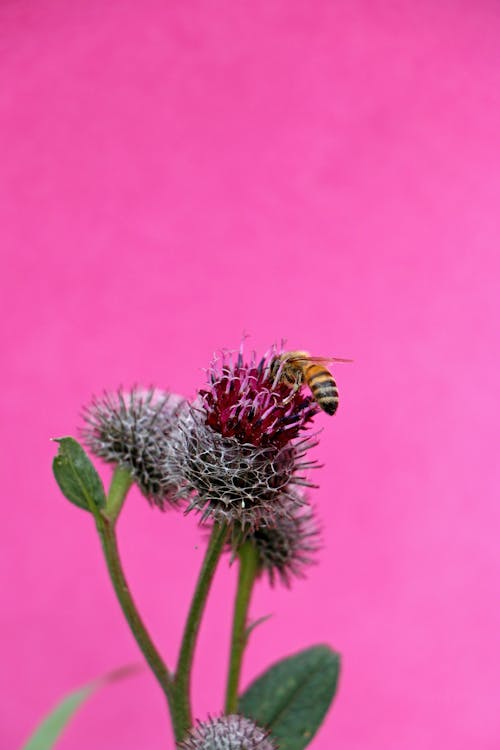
pixel 317 360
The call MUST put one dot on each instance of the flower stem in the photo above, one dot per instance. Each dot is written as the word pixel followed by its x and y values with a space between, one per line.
pixel 120 485
pixel 248 560
pixel 136 625
pixel 106 523
pixel 182 679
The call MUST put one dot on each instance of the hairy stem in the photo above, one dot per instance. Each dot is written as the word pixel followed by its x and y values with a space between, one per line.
pixel 106 523
pixel 182 680
pixel 136 625
pixel 248 561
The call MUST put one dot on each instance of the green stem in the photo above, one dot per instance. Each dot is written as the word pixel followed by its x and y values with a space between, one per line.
pixel 182 680
pixel 248 559
pixel 120 485
pixel 106 523
pixel 136 625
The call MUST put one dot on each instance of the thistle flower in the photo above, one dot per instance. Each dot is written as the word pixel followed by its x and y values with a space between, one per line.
pixel 287 548
pixel 133 431
pixel 231 732
pixel 237 454
pixel 243 402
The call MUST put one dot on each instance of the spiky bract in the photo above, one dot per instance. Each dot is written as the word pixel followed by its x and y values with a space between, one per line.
pixel 133 430
pixel 226 480
pixel 231 732
pixel 287 547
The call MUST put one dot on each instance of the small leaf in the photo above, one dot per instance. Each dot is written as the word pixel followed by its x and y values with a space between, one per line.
pixel 79 481
pixel 47 733
pixel 255 624
pixel 291 699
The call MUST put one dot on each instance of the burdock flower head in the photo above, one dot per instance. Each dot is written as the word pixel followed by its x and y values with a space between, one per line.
pixel 287 547
pixel 132 430
pixel 231 732
pixel 238 452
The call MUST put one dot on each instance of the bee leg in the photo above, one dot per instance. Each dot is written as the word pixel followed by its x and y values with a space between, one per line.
pixel 294 389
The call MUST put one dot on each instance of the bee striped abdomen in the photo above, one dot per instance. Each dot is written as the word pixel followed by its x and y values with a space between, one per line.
pixel 323 387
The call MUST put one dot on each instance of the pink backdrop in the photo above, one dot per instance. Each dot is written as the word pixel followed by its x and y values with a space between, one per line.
pixel 174 174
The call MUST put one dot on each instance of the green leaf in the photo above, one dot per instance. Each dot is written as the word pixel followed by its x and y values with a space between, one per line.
pixel 291 699
pixel 47 733
pixel 79 481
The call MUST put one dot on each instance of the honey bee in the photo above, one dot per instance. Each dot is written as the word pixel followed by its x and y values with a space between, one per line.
pixel 296 368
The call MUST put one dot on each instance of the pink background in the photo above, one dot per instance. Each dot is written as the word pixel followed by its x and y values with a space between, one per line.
pixel 174 174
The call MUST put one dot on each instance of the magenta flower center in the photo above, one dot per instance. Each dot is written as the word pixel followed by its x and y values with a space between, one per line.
pixel 243 402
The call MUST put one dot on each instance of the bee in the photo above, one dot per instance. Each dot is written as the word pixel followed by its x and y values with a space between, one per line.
pixel 296 368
